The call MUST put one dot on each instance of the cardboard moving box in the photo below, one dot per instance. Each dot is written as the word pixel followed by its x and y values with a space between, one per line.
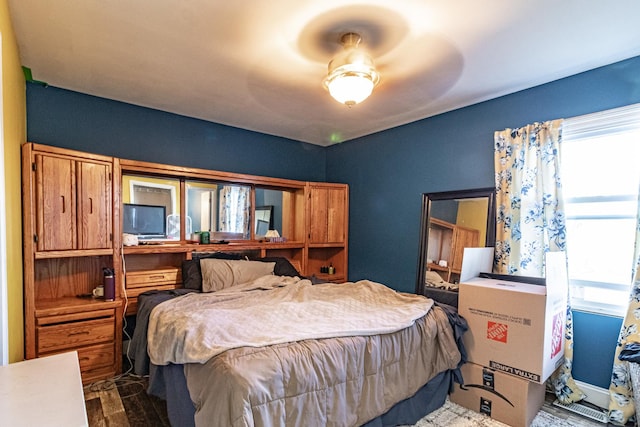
pixel 515 325
pixel 503 397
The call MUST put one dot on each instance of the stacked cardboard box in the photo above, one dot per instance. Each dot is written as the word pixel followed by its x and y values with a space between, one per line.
pixel 501 396
pixel 515 339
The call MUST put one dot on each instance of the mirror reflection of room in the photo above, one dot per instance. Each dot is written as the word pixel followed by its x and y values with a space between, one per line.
pixel 224 210
pixel 268 202
pixel 453 225
pixel 263 222
pixel 151 207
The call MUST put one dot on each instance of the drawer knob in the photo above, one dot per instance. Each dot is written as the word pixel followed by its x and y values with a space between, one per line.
pixel 79 333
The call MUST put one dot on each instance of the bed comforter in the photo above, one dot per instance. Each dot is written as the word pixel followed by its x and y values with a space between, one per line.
pixel 330 382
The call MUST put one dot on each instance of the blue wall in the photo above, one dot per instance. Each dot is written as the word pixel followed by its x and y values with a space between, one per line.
pixel 73 120
pixel 387 172
pixel 594 347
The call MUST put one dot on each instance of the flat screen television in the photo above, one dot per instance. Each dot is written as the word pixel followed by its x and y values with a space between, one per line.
pixel 144 221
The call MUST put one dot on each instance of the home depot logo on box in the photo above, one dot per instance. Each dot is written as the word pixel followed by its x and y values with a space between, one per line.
pixel 556 334
pixel 497 331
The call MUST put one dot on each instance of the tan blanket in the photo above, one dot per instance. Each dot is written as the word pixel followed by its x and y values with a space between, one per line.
pixel 275 310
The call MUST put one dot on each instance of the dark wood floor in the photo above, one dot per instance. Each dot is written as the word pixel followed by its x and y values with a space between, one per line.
pixel 124 403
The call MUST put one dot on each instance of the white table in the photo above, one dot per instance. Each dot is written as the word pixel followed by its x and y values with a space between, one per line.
pixel 43 392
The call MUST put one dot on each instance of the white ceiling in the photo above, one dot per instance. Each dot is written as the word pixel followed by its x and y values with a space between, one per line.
pixel 259 64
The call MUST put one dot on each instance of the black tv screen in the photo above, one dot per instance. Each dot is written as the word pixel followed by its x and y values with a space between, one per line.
pixel 145 221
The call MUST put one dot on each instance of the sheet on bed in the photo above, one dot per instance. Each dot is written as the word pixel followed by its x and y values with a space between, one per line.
pixel 274 310
pixel 147 301
pixel 343 381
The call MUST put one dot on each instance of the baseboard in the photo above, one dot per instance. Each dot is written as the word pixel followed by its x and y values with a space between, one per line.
pixel 595 395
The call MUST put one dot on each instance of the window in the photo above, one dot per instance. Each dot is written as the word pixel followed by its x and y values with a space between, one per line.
pixel 235 207
pixel 600 180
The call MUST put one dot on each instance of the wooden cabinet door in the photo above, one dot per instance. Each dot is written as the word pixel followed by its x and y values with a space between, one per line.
pixel 463 238
pixel 327 215
pixel 336 205
pixel 94 205
pixel 73 204
pixel 56 203
pixel 318 215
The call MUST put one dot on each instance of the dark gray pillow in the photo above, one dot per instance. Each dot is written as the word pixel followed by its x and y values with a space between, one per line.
pixel 282 268
pixel 191 275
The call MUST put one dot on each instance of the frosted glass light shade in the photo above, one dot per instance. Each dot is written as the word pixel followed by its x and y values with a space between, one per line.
pixel 352 74
pixel 350 88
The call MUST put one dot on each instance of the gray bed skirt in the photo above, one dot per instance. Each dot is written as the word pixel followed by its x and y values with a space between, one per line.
pixel 169 383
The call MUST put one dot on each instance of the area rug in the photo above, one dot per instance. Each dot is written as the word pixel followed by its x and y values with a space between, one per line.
pixel 453 415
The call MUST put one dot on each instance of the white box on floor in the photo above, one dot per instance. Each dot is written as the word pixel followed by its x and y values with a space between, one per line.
pixel 46 391
pixel 516 323
pixel 503 397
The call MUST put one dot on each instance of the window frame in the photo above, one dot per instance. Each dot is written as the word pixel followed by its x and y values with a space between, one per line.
pixel 609 122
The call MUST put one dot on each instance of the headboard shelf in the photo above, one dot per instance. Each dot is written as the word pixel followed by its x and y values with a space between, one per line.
pixel 310 217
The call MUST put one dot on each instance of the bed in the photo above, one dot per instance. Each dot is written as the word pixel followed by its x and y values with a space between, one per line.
pixel 439 290
pixel 237 347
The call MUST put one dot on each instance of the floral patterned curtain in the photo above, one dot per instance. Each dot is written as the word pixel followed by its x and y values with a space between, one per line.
pixel 234 209
pixel 530 217
pixel 621 395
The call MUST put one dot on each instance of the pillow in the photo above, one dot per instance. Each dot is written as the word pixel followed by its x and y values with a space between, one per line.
pixel 283 266
pixel 434 279
pixel 315 280
pixel 217 255
pixel 218 274
pixel 191 274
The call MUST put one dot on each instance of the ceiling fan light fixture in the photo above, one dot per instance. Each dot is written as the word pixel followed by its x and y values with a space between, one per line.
pixel 352 74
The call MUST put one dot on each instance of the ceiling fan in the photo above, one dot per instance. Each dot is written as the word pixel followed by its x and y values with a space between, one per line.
pixel 368 46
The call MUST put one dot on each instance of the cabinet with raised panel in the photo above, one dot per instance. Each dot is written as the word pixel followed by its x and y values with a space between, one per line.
pixel 328 219
pixel 328 210
pixel 73 201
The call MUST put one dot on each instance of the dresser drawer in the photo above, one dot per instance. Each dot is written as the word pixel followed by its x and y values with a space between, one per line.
pixel 74 334
pixel 144 278
pixel 132 295
pixel 93 356
pixel 96 356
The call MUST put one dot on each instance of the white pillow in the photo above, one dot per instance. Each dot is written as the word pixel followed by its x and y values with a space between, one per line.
pixel 218 274
pixel 434 279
